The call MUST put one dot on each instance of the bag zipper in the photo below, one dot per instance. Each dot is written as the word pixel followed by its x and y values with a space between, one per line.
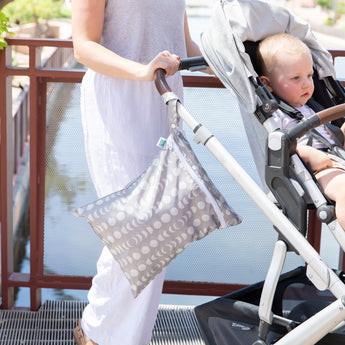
pixel 200 183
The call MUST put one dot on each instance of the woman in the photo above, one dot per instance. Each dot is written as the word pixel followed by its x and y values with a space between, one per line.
pixel 122 43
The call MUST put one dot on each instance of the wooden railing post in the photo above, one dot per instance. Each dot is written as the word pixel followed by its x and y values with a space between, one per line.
pixel 6 186
pixel 314 230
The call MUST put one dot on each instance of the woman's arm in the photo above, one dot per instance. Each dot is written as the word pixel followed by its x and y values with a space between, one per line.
pixel 191 46
pixel 87 26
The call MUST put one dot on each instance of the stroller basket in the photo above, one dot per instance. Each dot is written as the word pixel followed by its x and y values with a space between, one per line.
pixel 234 318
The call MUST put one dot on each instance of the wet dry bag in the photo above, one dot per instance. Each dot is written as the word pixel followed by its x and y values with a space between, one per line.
pixel 156 216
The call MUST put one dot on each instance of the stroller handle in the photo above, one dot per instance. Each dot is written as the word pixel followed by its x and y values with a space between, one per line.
pixel 331 114
pixel 320 118
pixel 192 64
pixel 195 63
pixel 160 81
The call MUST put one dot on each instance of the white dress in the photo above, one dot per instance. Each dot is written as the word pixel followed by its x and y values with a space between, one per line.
pixel 122 122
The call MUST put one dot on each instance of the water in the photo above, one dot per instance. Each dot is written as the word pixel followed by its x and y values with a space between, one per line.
pixel 236 255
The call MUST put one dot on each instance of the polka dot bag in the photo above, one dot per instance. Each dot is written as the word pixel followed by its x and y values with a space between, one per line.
pixel 156 216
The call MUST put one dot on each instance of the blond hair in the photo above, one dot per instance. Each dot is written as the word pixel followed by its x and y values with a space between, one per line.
pixel 270 50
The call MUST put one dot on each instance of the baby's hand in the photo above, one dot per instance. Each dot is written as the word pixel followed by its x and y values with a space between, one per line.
pixel 316 159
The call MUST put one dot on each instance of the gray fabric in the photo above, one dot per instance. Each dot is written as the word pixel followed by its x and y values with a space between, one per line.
pixel 237 21
pixel 257 137
pixel 153 219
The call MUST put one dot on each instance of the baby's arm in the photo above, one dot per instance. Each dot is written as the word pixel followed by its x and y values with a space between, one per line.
pixel 315 159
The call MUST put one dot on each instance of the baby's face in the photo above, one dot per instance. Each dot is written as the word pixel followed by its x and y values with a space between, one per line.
pixel 292 78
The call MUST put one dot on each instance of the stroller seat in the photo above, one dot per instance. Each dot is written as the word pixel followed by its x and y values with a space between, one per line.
pixel 287 193
pixel 229 45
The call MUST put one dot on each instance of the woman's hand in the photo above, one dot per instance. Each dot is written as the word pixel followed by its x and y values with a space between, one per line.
pixel 165 60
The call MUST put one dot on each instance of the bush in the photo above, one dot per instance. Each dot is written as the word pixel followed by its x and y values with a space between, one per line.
pixel 329 5
pixel 4 28
pixel 325 3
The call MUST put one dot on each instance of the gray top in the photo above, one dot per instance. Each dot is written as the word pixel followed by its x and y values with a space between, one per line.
pixel 123 119
pixel 130 31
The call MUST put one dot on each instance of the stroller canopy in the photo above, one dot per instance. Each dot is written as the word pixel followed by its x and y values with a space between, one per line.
pixel 236 21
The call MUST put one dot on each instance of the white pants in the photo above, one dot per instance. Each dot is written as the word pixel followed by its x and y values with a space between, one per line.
pixel 113 316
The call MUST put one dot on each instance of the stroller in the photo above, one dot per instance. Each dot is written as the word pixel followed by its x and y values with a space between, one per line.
pixel 255 315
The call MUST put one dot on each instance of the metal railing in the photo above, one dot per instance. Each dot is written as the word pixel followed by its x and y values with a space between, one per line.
pixel 28 125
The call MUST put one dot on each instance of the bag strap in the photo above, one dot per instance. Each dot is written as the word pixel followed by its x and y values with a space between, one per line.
pixel 174 118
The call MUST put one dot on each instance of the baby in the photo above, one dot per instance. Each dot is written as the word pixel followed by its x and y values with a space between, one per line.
pixel 287 71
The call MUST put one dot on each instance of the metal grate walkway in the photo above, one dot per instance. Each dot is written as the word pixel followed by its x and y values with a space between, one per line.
pixel 54 322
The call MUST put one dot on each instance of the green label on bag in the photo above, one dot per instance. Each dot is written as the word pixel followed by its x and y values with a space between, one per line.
pixel 161 142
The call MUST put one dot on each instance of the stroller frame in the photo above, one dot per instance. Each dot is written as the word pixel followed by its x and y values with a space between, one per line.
pixel 322 276
pixel 234 24
pixel 286 176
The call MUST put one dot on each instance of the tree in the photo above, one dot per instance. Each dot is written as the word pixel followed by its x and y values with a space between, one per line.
pixel 4 25
pixel 4 2
pixel 24 11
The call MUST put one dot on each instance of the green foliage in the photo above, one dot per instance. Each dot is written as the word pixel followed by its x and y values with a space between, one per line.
pixel 4 28
pixel 25 11
pixel 325 3
pixel 341 8
pixel 329 5
pixel 329 21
